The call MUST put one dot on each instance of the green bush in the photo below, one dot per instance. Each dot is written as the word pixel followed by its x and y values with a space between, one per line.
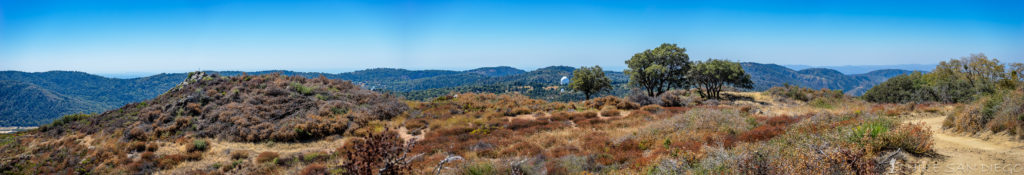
pixel 479 168
pixel 67 119
pixel 199 145
pixel 301 88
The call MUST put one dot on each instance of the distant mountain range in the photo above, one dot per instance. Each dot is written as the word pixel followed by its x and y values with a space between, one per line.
pixel 30 99
pixel 860 69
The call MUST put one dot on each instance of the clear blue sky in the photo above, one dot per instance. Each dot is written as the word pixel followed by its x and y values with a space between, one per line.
pixel 102 36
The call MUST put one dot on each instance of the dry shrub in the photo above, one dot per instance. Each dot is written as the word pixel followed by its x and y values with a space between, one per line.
pixel 148 156
pixel 609 111
pixel 377 153
pixel 416 124
pixel 522 149
pixel 516 124
pixel 598 103
pixel 169 161
pixel 582 115
pixel 1002 111
pixel 239 154
pixel 626 150
pixel 267 156
pixel 762 133
pixel 640 98
pixel 564 150
pixel 153 147
pixel 652 108
pixel 522 110
pixel 914 138
pixel 314 169
pixel 137 146
pixel 675 98
pixel 596 142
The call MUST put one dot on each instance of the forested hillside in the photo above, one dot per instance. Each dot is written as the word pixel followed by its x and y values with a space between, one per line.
pixel 766 76
pixel 31 99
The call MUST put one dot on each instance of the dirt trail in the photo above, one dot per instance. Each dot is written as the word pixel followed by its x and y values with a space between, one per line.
pixel 969 155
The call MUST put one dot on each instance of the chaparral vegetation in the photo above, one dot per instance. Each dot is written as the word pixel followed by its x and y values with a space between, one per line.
pixel 680 117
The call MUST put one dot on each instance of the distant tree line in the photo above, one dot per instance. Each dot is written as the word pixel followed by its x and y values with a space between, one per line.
pixel 955 81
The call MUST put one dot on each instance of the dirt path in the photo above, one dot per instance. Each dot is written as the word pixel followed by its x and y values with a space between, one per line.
pixel 969 155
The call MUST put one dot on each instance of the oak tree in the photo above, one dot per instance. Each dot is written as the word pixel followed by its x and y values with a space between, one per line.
pixel 589 80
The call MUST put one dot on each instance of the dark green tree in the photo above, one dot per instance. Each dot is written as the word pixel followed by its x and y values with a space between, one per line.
pixel 712 75
pixel 901 89
pixel 656 71
pixel 590 80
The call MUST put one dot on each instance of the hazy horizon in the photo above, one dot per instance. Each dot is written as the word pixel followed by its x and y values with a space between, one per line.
pixel 116 37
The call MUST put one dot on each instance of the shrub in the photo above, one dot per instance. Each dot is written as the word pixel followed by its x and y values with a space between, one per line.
pixel 198 145
pixel 377 153
pixel 169 161
pixel 314 169
pixel 524 149
pixel 265 157
pixel 763 132
pixel 137 146
pixel 314 156
pixel 299 87
pixel 598 103
pixel 1002 111
pixel 240 154
pixel 67 119
pixel 153 147
pixel 478 168
pixel 675 98
pixel 609 111
pixel 652 108
pixel 641 98
pixel 914 138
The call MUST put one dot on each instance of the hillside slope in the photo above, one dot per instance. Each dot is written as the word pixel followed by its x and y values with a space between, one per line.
pixel 766 76
pixel 38 98
pixel 261 108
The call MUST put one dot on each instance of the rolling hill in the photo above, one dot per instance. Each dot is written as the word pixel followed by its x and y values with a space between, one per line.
pixel 31 99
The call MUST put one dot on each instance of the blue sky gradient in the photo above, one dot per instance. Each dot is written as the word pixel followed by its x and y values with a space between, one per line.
pixel 109 36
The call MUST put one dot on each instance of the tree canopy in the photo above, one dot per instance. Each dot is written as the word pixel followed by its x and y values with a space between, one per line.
pixel 590 80
pixel 712 75
pixel 954 81
pixel 660 69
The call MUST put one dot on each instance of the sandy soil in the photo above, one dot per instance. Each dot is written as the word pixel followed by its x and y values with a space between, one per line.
pixel 970 155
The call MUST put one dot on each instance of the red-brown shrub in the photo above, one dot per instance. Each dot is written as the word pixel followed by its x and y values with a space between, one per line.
pixel 523 149
pixel 761 133
pixel 377 151
pixel 169 161
pixel 314 169
pixel 266 157
pixel 598 103
pixel 609 111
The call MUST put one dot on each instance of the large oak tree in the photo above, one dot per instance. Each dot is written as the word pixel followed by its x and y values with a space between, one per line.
pixel 712 75
pixel 659 70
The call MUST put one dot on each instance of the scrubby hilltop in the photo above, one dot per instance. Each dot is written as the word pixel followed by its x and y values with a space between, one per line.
pixel 270 107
